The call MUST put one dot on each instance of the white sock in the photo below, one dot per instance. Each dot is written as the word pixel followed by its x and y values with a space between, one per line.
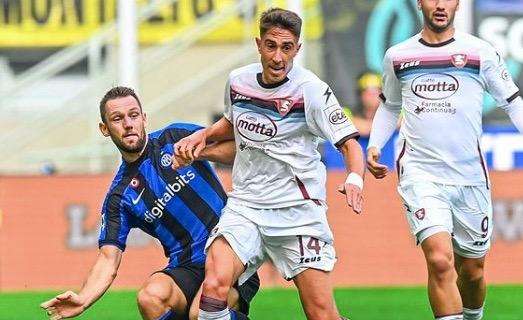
pixel 216 315
pixel 472 314
pixel 451 317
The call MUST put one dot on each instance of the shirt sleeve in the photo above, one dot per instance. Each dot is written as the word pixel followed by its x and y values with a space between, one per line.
pixel 391 91
pixel 116 223
pixel 324 115
pixel 227 101
pixel 386 117
pixel 497 79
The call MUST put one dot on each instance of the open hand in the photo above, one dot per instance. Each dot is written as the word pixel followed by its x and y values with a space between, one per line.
pixel 353 195
pixel 378 170
pixel 63 306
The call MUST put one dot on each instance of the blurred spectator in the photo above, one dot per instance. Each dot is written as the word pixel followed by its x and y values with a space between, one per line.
pixel 369 89
pixel 48 168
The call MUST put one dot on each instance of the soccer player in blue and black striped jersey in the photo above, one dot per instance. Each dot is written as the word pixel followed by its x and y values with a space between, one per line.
pixel 178 207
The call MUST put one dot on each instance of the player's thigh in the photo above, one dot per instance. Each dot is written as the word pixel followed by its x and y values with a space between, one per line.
pixel 234 243
pixel 472 215
pixel 316 294
pixel 427 208
pixel 161 287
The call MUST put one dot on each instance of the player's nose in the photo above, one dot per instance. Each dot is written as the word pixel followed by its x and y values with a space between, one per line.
pixel 277 57
pixel 127 122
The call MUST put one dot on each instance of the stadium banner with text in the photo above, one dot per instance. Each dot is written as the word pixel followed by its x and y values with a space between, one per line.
pixel 49 229
pixel 357 34
pixel 28 23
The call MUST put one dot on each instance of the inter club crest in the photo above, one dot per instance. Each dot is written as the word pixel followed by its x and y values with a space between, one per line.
pixel 284 106
pixel 459 60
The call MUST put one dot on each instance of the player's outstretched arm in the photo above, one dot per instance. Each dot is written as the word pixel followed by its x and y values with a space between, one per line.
pixel 353 187
pixel 223 152
pixel 189 148
pixel 70 304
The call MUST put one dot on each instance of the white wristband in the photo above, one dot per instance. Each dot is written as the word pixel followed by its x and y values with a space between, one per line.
pixel 355 179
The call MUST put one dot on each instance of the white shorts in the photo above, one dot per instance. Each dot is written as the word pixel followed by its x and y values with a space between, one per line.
pixel 292 249
pixel 465 212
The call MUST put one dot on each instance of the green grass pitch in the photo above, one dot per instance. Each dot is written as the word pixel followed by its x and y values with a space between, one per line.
pixel 503 303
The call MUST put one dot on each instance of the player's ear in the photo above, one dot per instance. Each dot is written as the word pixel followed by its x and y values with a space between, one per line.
pixel 419 4
pixel 258 44
pixel 103 129
pixel 144 120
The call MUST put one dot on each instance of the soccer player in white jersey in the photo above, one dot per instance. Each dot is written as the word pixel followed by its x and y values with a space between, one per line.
pixel 438 78
pixel 277 112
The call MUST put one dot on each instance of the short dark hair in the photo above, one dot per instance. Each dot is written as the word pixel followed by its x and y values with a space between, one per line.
pixel 278 17
pixel 114 93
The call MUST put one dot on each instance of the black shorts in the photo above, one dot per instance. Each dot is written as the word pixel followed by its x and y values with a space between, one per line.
pixel 189 278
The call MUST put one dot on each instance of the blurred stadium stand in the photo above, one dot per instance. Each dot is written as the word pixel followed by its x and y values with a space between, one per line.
pixel 50 109
pixel 51 77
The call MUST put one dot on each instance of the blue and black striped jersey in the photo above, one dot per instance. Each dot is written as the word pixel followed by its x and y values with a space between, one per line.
pixel 178 207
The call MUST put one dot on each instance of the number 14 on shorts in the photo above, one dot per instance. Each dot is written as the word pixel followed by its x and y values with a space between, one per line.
pixel 310 249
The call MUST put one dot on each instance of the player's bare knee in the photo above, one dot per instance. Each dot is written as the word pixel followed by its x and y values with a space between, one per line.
pixel 472 271
pixel 441 266
pixel 320 308
pixel 319 311
pixel 151 297
pixel 216 286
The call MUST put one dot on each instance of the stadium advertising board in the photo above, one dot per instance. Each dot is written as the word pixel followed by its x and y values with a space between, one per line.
pixel 49 232
pixel 26 23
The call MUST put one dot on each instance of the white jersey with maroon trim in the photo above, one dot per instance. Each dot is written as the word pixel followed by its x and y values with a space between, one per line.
pixel 277 129
pixel 440 89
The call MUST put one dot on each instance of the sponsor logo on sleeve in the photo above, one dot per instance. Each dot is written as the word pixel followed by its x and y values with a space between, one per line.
pixel 505 75
pixel 337 116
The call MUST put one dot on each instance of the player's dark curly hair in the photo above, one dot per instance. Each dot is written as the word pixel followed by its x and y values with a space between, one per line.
pixel 117 92
pixel 277 17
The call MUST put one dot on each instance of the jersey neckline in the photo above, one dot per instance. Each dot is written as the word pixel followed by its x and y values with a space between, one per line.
pixel 436 45
pixel 271 85
pixel 144 155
